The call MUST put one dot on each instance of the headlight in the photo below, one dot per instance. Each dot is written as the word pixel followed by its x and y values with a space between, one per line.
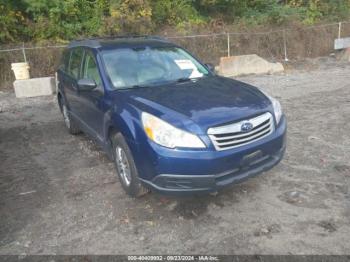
pixel 167 135
pixel 277 109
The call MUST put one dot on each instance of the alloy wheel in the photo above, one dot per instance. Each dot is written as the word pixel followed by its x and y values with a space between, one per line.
pixel 66 116
pixel 123 165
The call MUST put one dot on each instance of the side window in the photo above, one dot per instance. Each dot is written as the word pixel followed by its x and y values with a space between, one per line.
pixel 90 69
pixel 64 61
pixel 75 62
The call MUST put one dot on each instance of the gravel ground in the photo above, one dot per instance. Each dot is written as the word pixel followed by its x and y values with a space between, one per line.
pixel 59 194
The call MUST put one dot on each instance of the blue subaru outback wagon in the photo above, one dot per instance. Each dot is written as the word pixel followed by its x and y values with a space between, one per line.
pixel 168 121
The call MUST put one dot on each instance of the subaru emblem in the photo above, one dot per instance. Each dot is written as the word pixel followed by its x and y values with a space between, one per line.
pixel 246 127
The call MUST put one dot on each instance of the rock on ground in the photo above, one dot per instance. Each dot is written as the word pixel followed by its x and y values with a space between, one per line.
pixel 246 65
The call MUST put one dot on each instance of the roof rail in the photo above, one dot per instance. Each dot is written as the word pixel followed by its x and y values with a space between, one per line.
pixel 94 41
pixel 84 42
pixel 132 36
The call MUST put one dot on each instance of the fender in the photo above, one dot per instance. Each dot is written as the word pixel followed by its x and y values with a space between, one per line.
pixel 60 89
pixel 60 94
pixel 126 122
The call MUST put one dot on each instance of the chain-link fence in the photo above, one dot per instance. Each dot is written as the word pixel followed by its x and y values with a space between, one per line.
pixel 278 45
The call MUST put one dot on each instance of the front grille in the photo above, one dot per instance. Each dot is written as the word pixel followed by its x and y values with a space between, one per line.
pixel 231 136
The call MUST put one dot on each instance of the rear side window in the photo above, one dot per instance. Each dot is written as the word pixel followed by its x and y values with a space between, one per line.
pixel 75 62
pixel 64 61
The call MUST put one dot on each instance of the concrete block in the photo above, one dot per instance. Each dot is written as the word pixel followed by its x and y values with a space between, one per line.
pixel 342 43
pixel 42 86
pixel 247 64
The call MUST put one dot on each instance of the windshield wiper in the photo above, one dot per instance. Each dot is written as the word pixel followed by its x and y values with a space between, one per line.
pixel 179 80
pixel 183 79
pixel 139 86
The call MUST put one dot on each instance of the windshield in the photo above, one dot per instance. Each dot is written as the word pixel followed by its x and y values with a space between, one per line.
pixel 139 67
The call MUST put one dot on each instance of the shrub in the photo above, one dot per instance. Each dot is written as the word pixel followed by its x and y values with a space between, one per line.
pixel 11 22
pixel 128 16
pixel 59 20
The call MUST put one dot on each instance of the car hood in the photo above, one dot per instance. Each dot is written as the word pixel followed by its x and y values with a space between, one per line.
pixel 208 101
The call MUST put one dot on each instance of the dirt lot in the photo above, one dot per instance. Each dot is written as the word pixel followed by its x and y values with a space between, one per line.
pixel 59 194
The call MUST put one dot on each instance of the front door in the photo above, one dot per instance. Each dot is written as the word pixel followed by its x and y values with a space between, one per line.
pixel 93 105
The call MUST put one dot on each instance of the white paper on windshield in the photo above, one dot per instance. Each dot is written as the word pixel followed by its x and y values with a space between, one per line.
pixel 185 64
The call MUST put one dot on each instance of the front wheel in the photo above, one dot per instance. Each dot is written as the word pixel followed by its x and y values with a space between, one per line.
pixel 126 167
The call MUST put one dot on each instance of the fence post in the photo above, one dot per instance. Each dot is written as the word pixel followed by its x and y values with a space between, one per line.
pixel 228 45
pixel 339 30
pixel 24 53
pixel 285 46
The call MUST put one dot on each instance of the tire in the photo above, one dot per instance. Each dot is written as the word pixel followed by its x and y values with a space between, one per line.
pixel 69 122
pixel 126 168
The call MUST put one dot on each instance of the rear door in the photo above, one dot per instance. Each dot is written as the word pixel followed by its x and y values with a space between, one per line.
pixel 61 76
pixel 71 82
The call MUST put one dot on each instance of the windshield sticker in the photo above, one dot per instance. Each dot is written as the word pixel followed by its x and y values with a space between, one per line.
pixel 185 64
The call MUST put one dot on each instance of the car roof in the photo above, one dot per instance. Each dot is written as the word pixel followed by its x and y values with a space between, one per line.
pixel 121 42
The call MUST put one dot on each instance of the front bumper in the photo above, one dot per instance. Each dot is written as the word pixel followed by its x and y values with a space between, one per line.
pixel 188 172
pixel 184 184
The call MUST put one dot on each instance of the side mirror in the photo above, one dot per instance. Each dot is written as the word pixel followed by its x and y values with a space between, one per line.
pixel 86 84
pixel 211 67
